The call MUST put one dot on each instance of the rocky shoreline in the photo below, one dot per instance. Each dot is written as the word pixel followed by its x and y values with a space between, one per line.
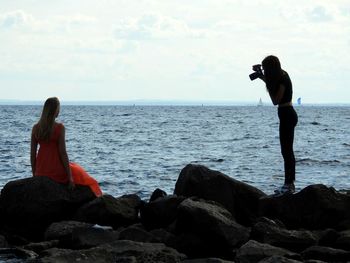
pixel 210 218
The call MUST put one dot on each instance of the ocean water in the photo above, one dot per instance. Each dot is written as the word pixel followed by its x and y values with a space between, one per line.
pixel 136 149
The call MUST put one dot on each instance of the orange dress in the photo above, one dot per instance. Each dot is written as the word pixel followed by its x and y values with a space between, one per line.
pixel 48 163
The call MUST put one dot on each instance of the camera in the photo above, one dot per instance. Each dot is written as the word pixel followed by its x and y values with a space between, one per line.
pixel 258 72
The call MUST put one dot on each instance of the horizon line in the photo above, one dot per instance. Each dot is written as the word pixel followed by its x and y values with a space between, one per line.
pixel 159 102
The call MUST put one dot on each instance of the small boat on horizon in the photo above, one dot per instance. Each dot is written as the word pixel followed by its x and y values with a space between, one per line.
pixel 260 103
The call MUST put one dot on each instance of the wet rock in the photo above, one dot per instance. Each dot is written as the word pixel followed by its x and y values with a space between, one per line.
pixel 109 211
pixel 19 253
pixel 161 212
pixel 326 254
pixel 118 251
pixel 212 224
pixel 237 197
pixel 267 231
pixel 314 207
pixel 29 205
pixel 254 251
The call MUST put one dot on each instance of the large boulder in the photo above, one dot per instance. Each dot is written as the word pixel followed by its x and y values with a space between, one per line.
pixel 109 211
pixel 267 231
pixel 161 212
pixel 29 205
pixel 254 251
pixel 314 207
pixel 118 251
pixel 237 197
pixel 326 254
pixel 212 224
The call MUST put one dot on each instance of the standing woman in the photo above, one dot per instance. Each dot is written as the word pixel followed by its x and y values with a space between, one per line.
pixel 52 159
pixel 279 87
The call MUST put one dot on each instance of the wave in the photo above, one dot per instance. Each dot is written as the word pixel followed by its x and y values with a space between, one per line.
pixel 312 161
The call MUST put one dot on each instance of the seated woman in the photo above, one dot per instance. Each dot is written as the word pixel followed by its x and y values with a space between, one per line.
pixel 52 159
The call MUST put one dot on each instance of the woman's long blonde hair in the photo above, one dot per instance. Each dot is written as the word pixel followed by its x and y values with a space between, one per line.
pixel 47 119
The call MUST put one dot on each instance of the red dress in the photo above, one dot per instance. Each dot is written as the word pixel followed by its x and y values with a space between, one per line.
pixel 48 163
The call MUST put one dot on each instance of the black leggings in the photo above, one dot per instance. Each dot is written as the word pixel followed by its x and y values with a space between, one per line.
pixel 288 120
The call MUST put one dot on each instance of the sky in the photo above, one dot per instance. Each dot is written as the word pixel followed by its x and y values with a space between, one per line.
pixel 197 50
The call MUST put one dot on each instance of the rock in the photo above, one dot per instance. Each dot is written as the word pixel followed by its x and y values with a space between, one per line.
pixel 253 251
pixel 78 235
pixel 206 260
pixel 158 193
pixel 343 241
pixel 267 231
pixel 63 230
pixel 18 253
pixel 41 246
pixel 29 205
pixel 137 234
pixel 212 224
pixel 326 254
pixel 314 207
pixel 3 242
pixel 163 236
pixel 161 212
pixel 278 259
pixel 237 197
pixel 118 251
pixel 327 237
pixel 92 237
pixel 109 211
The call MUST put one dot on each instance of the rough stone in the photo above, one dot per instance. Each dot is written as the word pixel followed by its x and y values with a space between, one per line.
pixel 254 251
pixel 109 211
pixel 161 212
pixel 211 223
pixel 326 254
pixel 237 197
pixel 267 231
pixel 314 207
pixel 118 251
pixel 29 205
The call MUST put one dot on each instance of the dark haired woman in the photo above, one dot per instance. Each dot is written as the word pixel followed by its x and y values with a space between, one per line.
pixel 52 159
pixel 279 87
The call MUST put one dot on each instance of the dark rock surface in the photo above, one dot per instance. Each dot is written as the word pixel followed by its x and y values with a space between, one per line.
pixel 254 251
pixel 212 223
pixel 109 211
pixel 326 254
pixel 314 207
pixel 29 205
pixel 41 246
pixel 237 197
pixel 267 231
pixel 64 229
pixel 118 251
pixel 161 212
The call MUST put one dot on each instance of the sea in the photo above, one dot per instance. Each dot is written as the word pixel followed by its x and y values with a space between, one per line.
pixel 134 149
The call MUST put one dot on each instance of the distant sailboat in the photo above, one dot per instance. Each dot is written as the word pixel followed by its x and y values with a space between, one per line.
pixel 299 101
pixel 260 102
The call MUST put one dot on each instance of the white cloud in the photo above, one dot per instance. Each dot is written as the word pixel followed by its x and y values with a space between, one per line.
pixel 154 26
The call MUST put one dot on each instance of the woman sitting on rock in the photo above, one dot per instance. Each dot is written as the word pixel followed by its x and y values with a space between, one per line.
pixel 52 159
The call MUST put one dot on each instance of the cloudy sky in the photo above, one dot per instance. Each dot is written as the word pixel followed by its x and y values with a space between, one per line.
pixel 171 50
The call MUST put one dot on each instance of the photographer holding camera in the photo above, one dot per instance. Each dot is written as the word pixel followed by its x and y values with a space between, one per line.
pixel 279 87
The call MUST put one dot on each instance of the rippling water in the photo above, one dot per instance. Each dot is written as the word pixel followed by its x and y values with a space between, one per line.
pixel 135 149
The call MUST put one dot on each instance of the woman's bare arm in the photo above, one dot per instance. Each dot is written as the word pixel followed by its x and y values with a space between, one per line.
pixel 63 154
pixel 33 150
